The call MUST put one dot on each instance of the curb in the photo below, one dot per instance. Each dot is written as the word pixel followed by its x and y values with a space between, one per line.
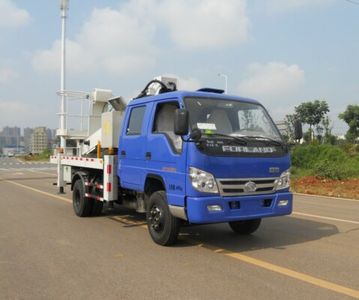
pixel 322 196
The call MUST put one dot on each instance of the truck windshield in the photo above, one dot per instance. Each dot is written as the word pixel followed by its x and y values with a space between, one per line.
pixel 229 117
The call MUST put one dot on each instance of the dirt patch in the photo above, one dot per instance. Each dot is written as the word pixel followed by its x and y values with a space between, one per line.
pixel 348 188
pixel 35 158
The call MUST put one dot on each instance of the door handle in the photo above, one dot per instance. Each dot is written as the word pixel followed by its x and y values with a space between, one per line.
pixel 148 155
pixel 123 153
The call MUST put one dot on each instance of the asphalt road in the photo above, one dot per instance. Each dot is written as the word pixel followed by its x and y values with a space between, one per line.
pixel 7 163
pixel 46 252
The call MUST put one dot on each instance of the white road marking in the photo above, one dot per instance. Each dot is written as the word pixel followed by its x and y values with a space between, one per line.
pixel 39 172
pixel 13 169
pixel 248 259
pixel 325 218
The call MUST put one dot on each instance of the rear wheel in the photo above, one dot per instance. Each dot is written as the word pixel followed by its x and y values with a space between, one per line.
pixel 97 205
pixel 97 208
pixel 82 206
pixel 162 226
pixel 245 227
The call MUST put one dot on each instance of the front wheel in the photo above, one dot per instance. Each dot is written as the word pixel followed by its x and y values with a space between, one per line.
pixel 245 227
pixel 162 226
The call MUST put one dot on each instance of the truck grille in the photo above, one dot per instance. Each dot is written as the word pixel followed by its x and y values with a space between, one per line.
pixel 246 186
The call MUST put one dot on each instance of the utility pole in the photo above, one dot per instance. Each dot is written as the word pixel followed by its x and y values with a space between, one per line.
pixel 64 6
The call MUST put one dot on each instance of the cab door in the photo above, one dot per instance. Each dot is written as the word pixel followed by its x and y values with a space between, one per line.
pixel 132 147
pixel 166 152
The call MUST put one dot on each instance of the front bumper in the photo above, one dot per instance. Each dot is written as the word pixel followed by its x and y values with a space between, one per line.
pixel 250 207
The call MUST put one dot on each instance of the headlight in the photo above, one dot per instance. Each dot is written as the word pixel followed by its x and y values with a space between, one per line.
pixel 202 181
pixel 283 181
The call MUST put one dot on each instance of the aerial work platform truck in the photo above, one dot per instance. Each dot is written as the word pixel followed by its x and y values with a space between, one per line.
pixel 179 157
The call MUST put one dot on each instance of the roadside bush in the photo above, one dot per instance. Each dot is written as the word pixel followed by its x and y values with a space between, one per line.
pixel 304 156
pixel 325 161
pixel 333 170
pixel 45 155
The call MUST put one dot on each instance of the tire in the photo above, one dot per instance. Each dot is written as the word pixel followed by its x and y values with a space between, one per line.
pixel 82 206
pixel 97 208
pixel 245 227
pixel 162 226
pixel 97 205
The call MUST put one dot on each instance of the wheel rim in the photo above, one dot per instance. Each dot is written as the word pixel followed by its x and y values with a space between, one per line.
pixel 156 218
pixel 77 199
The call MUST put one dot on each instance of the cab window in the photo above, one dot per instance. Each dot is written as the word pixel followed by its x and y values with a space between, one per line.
pixel 164 124
pixel 134 125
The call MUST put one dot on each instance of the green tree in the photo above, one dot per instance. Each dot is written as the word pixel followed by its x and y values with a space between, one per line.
pixel 307 136
pixel 351 117
pixel 329 138
pixel 312 113
pixel 289 124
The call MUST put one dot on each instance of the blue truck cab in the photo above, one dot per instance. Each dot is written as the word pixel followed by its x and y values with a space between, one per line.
pixel 203 157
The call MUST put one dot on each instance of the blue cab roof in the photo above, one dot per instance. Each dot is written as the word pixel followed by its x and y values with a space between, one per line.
pixel 183 94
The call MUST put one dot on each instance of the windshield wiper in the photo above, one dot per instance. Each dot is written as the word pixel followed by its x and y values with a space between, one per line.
pixel 265 139
pixel 238 140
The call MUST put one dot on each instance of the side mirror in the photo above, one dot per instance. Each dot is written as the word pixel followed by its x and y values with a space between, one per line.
pixel 298 130
pixel 195 134
pixel 181 122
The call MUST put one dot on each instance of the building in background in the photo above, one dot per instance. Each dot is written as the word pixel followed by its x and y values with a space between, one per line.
pixel 13 140
pixel 51 137
pixel 10 137
pixel 27 139
pixel 39 140
pixel 12 151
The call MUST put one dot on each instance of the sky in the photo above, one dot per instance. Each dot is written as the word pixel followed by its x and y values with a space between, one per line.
pixel 280 52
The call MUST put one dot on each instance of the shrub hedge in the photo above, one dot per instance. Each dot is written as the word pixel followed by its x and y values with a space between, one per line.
pixel 326 161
